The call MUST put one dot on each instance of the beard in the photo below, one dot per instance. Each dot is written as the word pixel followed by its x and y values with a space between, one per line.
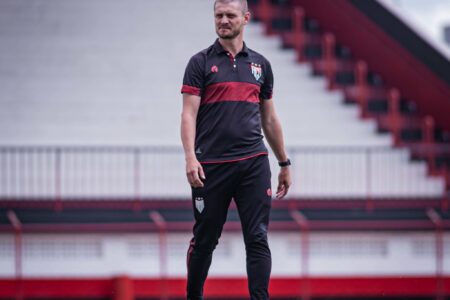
pixel 231 34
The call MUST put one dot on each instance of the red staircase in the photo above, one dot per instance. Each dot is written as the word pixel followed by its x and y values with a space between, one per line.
pixel 376 99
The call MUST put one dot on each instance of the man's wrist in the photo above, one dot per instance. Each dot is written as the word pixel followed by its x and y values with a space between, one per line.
pixel 284 163
pixel 189 157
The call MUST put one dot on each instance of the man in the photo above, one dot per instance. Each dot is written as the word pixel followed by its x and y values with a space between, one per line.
pixel 227 91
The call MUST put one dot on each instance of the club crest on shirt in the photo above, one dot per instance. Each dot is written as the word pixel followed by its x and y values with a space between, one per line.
pixel 256 70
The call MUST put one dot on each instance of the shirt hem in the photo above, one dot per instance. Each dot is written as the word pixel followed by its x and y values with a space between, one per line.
pixel 234 160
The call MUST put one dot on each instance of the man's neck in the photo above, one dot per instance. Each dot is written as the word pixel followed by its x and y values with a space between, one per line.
pixel 234 46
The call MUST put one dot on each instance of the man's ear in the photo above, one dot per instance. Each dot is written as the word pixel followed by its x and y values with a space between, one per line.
pixel 247 17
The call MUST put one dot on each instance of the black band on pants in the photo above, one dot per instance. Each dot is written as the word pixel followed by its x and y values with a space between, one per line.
pixel 248 183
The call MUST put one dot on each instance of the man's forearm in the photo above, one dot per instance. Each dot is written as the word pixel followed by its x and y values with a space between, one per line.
pixel 274 135
pixel 188 135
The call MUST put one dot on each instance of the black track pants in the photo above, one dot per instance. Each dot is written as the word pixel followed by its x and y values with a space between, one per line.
pixel 248 182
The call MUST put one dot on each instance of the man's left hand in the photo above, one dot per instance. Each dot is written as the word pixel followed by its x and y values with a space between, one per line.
pixel 284 182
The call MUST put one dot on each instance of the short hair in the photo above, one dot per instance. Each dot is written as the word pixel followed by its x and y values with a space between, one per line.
pixel 243 3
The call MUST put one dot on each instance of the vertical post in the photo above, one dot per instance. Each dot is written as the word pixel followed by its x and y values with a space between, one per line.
pixel 298 36
pixel 361 87
pixel 394 115
pixel 446 199
pixel 123 288
pixel 13 190
pixel 20 174
pixel 305 263
pixel 162 227
pixel 136 179
pixel 428 141
pixel 440 262
pixel 264 15
pixel 58 202
pixel 328 45
pixel 303 224
pixel 17 225
pixel 369 200
pixel 439 242
pixel 4 172
pixel 30 170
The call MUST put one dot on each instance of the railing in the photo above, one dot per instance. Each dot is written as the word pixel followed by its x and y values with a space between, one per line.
pixel 159 172
pixel 296 34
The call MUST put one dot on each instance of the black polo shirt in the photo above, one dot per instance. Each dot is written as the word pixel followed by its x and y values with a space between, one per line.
pixel 228 124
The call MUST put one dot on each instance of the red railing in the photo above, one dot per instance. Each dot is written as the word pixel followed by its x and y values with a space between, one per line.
pixel 328 64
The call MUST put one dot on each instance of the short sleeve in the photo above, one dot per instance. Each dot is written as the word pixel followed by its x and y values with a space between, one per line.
pixel 267 86
pixel 193 81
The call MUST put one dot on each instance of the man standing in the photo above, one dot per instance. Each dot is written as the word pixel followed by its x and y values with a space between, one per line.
pixel 227 92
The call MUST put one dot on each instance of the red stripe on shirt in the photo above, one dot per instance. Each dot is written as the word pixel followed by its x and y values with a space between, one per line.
pixel 231 91
pixel 190 90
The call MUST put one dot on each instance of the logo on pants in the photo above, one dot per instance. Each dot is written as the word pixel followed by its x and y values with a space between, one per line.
pixel 199 204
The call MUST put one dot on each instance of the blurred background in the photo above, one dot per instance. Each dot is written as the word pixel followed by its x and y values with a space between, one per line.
pixel 94 202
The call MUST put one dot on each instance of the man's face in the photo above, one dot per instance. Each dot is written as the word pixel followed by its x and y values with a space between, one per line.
pixel 230 20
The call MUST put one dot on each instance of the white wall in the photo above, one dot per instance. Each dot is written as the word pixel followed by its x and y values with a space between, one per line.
pixel 331 254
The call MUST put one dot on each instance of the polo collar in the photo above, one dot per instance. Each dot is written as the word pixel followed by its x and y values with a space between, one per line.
pixel 219 49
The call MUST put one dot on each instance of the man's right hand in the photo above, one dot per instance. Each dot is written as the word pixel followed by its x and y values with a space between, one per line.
pixel 194 173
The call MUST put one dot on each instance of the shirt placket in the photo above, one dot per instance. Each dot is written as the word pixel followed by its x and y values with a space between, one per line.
pixel 233 61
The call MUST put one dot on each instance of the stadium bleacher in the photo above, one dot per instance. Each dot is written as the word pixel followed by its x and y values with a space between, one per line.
pixel 115 80
pixel 91 161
